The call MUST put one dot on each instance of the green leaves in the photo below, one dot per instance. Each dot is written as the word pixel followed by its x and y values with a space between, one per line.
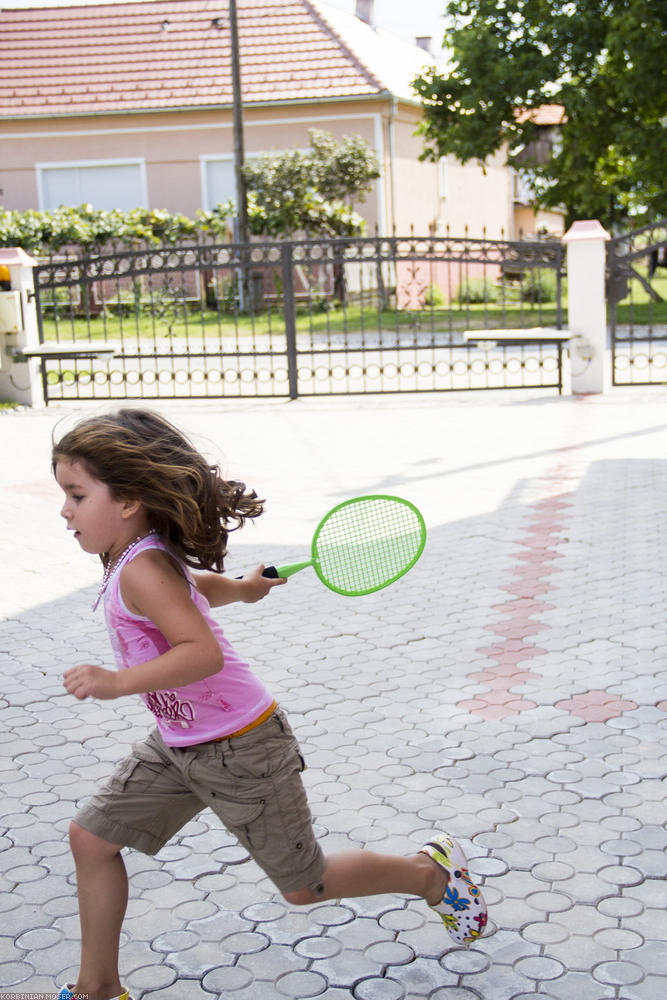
pixel 91 229
pixel 603 61
pixel 310 190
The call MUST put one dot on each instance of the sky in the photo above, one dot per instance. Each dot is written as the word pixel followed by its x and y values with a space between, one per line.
pixel 406 19
pixel 401 17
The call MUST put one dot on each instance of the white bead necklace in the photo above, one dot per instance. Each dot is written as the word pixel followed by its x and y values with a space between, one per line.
pixel 113 565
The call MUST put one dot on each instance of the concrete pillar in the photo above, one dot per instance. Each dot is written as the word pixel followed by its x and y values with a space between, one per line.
pixel 587 306
pixel 20 381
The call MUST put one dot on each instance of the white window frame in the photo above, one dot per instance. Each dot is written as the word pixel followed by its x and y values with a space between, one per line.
pixel 42 167
pixel 204 160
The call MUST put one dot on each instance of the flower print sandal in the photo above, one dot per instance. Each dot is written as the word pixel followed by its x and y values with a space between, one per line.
pixel 462 908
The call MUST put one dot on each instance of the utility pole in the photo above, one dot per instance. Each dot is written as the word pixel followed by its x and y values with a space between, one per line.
pixel 239 155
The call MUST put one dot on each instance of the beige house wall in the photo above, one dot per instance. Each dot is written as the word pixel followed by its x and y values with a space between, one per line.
pixel 171 146
pixel 415 181
pixel 421 196
pixel 478 200
pixel 441 197
pixel 530 222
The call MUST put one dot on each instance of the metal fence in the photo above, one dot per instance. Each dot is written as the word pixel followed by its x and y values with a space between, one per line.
pixel 637 305
pixel 299 318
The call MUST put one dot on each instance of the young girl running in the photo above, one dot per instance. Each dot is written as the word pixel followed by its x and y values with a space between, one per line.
pixel 139 494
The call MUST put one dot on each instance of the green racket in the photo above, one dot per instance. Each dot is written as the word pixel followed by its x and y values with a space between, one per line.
pixel 363 545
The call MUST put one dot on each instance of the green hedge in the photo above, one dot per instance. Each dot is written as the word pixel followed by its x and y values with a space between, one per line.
pixel 92 229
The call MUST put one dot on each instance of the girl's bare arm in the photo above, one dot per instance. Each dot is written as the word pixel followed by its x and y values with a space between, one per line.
pixel 152 587
pixel 219 590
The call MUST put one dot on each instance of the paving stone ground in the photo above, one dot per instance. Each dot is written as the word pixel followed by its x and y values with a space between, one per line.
pixel 512 690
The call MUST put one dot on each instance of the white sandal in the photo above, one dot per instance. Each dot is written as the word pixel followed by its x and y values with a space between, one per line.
pixel 462 908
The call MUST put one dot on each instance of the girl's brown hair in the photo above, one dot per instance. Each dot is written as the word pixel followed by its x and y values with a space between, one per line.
pixel 141 456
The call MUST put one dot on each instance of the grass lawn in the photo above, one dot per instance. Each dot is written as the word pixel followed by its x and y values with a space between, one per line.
pixel 637 308
pixel 210 324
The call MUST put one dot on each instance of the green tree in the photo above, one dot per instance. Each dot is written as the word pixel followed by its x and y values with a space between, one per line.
pixel 603 61
pixel 310 190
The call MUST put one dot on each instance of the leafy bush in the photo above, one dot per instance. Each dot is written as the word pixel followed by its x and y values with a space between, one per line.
pixel 539 286
pixel 92 229
pixel 434 297
pixel 309 190
pixel 475 291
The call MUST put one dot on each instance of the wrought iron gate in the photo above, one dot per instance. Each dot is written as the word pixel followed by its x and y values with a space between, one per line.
pixel 637 305
pixel 310 317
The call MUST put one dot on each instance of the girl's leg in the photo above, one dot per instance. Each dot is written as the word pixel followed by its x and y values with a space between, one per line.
pixel 439 874
pixel 102 889
pixel 364 873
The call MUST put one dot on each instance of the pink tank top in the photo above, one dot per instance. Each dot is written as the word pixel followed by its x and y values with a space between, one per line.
pixel 202 711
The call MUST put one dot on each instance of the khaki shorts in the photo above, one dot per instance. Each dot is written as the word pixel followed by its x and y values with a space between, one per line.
pixel 252 782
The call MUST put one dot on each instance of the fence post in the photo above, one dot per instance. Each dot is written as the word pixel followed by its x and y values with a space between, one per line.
pixel 289 314
pixel 20 381
pixel 587 306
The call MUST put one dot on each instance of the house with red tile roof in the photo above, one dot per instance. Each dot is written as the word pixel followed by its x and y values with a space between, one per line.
pixel 130 104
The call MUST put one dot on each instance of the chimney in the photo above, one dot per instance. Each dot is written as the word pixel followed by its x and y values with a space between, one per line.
pixel 365 11
pixel 424 42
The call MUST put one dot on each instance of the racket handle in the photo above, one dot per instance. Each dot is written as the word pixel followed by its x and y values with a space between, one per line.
pixel 286 571
pixel 281 572
pixel 270 572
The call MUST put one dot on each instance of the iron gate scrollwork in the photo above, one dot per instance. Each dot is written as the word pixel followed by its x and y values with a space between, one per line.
pixel 637 305
pixel 306 317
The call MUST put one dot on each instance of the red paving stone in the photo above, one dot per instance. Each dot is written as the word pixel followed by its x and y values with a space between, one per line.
pixel 519 619
pixel 596 706
pixel 528 604
pixel 513 631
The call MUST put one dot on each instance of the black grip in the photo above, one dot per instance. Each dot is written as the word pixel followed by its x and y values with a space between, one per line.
pixel 270 572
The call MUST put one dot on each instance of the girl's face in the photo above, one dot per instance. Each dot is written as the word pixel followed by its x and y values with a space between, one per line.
pixel 99 522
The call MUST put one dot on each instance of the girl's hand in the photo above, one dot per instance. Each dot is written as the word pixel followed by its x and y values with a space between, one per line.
pixel 89 681
pixel 255 586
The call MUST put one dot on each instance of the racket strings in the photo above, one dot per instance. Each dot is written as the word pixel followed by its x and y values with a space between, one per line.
pixel 366 544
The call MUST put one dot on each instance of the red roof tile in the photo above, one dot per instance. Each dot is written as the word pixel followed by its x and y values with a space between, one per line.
pixel 166 54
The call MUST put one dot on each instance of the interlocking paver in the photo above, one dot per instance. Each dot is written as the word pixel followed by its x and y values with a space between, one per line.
pixel 582 986
pixel 420 977
pixel 542 585
pixel 379 989
pixel 579 952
